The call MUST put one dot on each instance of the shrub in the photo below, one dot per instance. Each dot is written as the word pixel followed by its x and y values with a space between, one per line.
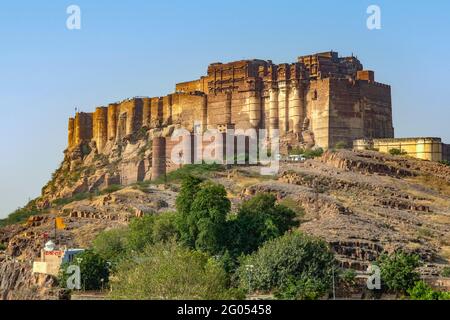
pixel 111 189
pixel 3 246
pixel 296 266
pixel 296 151
pixel 76 197
pixel 341 145
pixel 397 152
pixel 348 277
pixel 169 271
pixel 422 291
pixel 311 154
pixel 114 245
pixel 140 233
pixel 93 269
pixel 111 245
pixel 258 220
pixel 398 271
pixel 201 171
pixel 21 215
pixel 446 272
pixel 165 227
pixel 445 162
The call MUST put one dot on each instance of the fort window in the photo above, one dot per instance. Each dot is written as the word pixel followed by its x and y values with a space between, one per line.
pixel 314 95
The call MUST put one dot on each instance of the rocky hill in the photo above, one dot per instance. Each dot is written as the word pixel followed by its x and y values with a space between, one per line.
pixel 362 203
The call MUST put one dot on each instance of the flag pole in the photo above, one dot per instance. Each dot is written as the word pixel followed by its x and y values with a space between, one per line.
pixel 55 231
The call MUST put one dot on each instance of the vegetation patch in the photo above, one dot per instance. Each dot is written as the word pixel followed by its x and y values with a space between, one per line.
pixel 397 152
pixel 21 215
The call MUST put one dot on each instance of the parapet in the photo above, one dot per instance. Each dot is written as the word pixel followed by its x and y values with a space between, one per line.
pixel 366 75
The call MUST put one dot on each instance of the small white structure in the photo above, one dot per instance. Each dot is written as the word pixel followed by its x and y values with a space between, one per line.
pixel 51 259
pixel 297 158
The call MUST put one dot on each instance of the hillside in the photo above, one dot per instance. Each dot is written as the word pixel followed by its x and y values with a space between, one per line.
pixel 361 203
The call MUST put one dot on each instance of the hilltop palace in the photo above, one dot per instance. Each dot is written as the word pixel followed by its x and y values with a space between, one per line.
pixel 321 100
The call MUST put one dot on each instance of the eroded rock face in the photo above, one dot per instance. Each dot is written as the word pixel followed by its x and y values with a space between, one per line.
pixel 367 203
pixel 364 163
pixel 362 203
pixel 18 283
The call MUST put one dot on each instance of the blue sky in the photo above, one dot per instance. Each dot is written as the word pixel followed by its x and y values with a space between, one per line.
pixel 142 48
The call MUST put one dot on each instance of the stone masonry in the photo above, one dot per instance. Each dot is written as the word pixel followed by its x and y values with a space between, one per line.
pixel 320 100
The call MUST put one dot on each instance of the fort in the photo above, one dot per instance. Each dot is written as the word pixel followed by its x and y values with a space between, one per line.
pixel 318 101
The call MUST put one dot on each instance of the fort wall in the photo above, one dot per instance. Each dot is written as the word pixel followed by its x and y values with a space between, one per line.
pixel 320 100
pixel 424 148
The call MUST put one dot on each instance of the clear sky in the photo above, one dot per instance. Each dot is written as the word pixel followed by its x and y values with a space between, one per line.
pixel 142 48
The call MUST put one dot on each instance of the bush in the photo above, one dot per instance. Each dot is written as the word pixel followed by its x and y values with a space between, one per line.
pixel 296 266
pixel 201 171
pixel 302 289
pixel 398 271
pixel 445 162
pixel 111 245
pixel 111 189
pixel 93 268
pixel 311 154
pixel 3 246
pixel 165 227
pixel 168 271
pixel 258 220
pixel 140 232
pixel 341 145
pixel 397 152
pixel 348 277
pixel 446 272
pixel 296 151
pixel 114 245
pixel 21 215
pixel 422 291
pixel 74 198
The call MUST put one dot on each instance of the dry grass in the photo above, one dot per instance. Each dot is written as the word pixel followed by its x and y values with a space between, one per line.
pixel 434 183
pixel 445 253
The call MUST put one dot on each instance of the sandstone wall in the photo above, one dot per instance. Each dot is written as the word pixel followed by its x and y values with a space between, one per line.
pixel 320 100
pixel 431 149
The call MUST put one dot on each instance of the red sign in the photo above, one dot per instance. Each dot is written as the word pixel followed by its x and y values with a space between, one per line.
pixel 54 253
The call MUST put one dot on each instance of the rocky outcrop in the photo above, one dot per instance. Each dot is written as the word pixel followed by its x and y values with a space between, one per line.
pixel 18 283
pixel 366 164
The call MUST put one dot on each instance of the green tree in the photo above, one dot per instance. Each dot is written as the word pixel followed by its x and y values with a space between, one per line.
pixel 422 291
pixel 189 188
pixel 169 271
pixel 258 220
pixel 295 266
pixel 398 271
pixel 397 152
pixel 445 272
pixel 165 227
pixel 207 218
pixel 140 232
pixel 93 269
pixel 111 245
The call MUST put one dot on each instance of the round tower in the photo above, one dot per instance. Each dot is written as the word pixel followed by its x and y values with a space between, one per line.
pixel 158 158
